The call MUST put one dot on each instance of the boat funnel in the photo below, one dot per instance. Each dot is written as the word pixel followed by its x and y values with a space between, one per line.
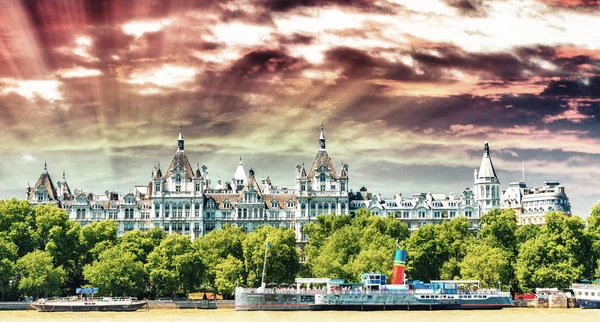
pixel 398 269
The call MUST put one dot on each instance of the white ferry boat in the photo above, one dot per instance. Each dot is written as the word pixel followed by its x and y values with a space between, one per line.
pixel 587 295
pixel 88 304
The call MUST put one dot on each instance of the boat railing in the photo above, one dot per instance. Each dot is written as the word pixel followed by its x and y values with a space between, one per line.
pixel 586 286
pixel 89 299
pixel 360 291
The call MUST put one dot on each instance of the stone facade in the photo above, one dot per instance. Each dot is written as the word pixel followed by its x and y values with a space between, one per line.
pixel 532 204
pixel 183 200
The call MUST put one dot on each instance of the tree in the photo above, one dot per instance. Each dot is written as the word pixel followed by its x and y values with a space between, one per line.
pixel 229 273
pixel 424 254
pixel 282 260
pixel 498 229
pixel 96 238
pixel 172 269
pixel 487 264
pixel 345 246
pixel 560 253
pixel 116 273
pixel 37 274
pixel 218 245
pixel 139 243
pixel 594 218
pixel 17 222
pixel 525 233
pixel 8 255
pixel 454 237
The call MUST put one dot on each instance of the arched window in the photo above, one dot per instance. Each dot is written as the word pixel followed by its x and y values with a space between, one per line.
pixel 322 177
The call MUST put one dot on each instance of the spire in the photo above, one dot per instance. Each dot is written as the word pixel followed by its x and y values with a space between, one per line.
pixel 486 170
pixel 64 178
pixel 322 140
pixel 45 167
pixel 486 149
pixel 240 173
pixel 180 139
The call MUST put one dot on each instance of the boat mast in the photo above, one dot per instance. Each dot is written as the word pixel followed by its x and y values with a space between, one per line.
pixel 262 284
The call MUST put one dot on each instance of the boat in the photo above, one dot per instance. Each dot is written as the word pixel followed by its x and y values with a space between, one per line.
pixel 372 293
pixel 88 304
pixel 587 295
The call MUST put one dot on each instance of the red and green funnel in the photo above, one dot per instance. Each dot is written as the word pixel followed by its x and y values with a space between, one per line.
pixel 398 269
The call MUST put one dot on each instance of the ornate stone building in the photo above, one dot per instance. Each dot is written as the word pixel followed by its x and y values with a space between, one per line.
pixel 532 204
pixel 181 199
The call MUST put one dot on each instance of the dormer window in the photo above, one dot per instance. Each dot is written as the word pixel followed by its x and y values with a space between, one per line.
pixel 274 204
pixel 290 204
pixel 227 204
pixel 322 177
pixel 210 204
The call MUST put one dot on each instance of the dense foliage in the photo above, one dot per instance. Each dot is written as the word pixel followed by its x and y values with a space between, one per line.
pixel 42 253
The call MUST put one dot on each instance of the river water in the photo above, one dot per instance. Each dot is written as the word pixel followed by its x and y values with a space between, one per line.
pixel 227 315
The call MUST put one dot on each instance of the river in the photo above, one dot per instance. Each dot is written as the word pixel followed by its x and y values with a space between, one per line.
pixel 227 315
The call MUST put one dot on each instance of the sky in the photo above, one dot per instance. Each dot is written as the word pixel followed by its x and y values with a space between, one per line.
pixel 408 91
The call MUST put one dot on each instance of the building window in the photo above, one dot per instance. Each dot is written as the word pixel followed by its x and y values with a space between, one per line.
pixel 178 188
pixel 197 187
pixel 227 204
pixel 405 214
pixel 343 186
pixel 274 204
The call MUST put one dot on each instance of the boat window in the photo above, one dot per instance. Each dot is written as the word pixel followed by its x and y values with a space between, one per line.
pixel 422 296
pixel 586 293
pixel 270 297
pixel 306 298
pixel 579 293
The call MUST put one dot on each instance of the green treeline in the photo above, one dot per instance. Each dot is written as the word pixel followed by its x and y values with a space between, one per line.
pixel 42 253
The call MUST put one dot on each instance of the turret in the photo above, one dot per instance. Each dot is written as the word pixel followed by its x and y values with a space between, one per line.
pixel 322 140
pixel 487 184
pixel 180 140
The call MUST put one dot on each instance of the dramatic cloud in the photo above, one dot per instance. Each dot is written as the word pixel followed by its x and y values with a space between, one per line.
pixel 408 90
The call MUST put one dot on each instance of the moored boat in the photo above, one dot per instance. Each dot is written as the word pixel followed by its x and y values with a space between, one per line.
pixel 88 304
pixel 373 293
pixel 587 295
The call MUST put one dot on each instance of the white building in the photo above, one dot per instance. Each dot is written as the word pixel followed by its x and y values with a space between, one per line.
pixel 532 204
pixel 420 208
pixel 183 200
